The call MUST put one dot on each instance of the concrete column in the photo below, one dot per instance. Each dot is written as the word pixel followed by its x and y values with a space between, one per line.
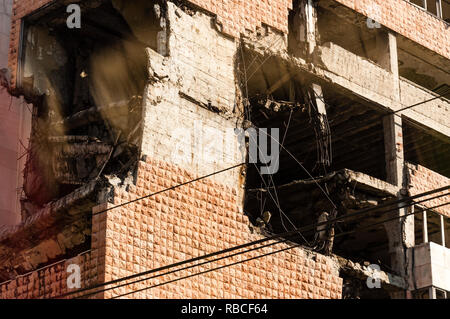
pixel 387 57
pixel 442 230
pixel 400 231
pixel 432 293
pixel 439 8
pixel 393 144
pixel 311 20
pixel 425 226
pixel 321 108
pixel 306 21
pixel 393 59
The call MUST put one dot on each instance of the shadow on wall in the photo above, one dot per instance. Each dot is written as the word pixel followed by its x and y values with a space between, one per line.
pixel 86 85
pixel 15 123
pixel 15 126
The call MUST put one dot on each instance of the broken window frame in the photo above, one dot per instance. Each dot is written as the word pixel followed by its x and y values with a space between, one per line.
pixel 425 228
pixel 424 6
pixel 430 293
pixel 25 22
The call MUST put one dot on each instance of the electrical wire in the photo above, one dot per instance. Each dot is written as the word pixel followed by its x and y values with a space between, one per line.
pixel 253 249
pixel 277 203
pixel 218 172
pixel 305 228
pixel 420 103
pixel 168 189
pixel 256 257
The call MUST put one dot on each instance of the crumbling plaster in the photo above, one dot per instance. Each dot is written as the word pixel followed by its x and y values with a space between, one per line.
pixel 190 106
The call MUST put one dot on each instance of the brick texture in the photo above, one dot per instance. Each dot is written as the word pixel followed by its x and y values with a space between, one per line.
pixel 51 281
pixel 195 220
pixel 407 20
pixel 188 222
pixel 422 180
pixel 236 16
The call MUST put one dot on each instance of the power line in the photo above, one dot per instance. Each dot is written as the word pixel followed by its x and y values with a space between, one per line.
pixel 253 258
pixel 420 103
pixel 284 148
pixel 290 233
pixel 170 188
pixel 186 268
pixel 305 228
pixel 276 201
pixel 252 249
pixel 207 271
pixel 212 174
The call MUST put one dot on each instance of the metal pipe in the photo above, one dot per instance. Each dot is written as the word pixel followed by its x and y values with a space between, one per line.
pixel 425 227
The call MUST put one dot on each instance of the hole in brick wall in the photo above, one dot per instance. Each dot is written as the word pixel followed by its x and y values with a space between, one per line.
pixel 423 67
pixel 102 62
pixel 278 99
pixel 446 10
pixel 296 36
pixel 429 149
pixel 354 33
pixel 89 82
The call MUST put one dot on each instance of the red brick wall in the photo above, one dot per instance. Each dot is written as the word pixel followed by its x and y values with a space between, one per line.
pixel 191 221
pixel 51 281
pixel 409 21
pixel 195 220
pixel 236 16
pixel 422 180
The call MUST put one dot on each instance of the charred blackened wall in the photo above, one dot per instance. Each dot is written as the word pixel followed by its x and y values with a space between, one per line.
pixel 87 85
pixel 15 124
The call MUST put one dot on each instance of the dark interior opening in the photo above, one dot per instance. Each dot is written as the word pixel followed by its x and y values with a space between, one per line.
pixel 278 99
pixel 89 82
pixel 426 148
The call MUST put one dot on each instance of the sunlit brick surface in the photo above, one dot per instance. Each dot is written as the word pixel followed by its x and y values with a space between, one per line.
pixel 424 180
pixel 198 219
pixel 188 222
pixel 51 281
pixel 407 20
pixel 237 16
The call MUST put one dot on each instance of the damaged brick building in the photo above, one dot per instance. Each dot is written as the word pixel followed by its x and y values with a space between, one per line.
pixel 116 179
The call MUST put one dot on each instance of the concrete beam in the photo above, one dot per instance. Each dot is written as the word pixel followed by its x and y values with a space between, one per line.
pixel 363 272
pixel 393 63
pixel 393 144
pixel 306 24
pixel 400 231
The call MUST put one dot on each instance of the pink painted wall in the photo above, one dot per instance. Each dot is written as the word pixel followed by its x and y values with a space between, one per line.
pixel 15 123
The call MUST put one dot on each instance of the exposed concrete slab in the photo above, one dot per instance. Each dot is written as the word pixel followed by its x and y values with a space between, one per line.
pixel 374 85
pixel 363 272
pixel 431 266
pixel 47 233
pixel 373 184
